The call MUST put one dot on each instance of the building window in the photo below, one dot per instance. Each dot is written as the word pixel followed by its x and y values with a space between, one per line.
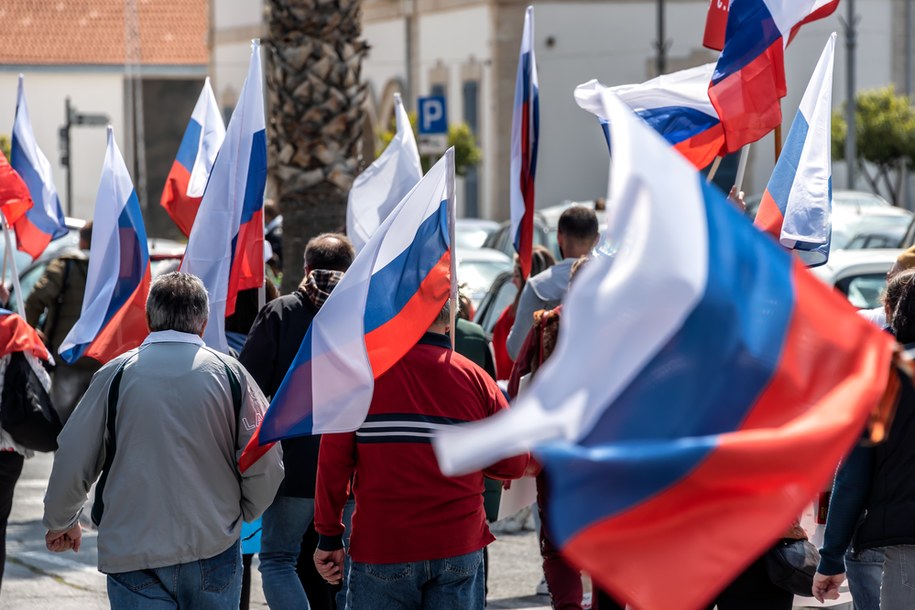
pixel 471 95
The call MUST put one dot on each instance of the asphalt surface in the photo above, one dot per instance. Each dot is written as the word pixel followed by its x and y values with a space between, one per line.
pixel 36 579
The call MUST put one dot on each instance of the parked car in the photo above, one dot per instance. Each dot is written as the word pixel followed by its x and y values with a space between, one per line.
pixel 471 233
pixel 500 294
pixel 860 275
pixel 477 268
pixel 546 222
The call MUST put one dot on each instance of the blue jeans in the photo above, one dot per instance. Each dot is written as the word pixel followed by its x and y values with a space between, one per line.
pixel 455 583
pixel 898 587
pixel 864 571
pixel 284 523
pixel 213 583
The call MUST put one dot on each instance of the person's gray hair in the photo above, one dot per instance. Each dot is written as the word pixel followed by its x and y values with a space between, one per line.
pixel 444 316
pixel 177 301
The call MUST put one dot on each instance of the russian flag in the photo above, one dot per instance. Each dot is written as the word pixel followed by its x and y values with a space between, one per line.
pixel 45 220
pixel 17 336
pixel 525 138
pixel 676 105
pixel 388 298
pixel 226 246
pixel 797 204
pixel 749 79
pixel 113 317
pixel 188 177
pixel 695 371
pixel 382 185
pixel 15 200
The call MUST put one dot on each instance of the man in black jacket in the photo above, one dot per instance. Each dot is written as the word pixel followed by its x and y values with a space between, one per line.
pixel 269 351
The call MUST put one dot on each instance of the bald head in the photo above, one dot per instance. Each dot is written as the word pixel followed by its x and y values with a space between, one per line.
pixel 330 251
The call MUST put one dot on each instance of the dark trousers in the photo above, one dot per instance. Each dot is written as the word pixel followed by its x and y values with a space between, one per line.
pixel 10 469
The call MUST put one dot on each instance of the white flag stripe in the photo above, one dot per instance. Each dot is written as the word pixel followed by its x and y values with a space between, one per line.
pixel 664 250
pixel 807 213
pixel 383 184
pixel 212 133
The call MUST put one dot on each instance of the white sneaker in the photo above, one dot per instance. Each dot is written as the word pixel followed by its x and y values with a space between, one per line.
pixel 542 588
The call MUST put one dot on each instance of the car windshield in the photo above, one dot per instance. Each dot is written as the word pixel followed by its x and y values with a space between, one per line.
pixel 468 239
pixel 477 276
pixel 864 291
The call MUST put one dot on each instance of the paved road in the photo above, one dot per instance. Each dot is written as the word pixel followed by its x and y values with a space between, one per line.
pixel 36 579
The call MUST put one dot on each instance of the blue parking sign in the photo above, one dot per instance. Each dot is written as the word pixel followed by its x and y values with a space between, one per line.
pixel 432 116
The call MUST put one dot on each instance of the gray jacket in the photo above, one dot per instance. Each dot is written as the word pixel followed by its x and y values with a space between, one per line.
pixel 543 291
pixel 173 493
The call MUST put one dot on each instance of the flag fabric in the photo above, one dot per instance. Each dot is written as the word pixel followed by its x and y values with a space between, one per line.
pixel 44 222
pixel 525 138
pixel 381 186
pixel 15 200
pixel 386 301
pixel 113 316
pixel 17 336
pixel 695 370
pixel 188 177
pixel 749 79
pixel 676 105
pixel 226 246
pixel 797 204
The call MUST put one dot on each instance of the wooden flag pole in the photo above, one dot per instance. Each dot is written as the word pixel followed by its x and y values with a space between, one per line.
pixel 778 141
pixel 742 167
pixel 711 173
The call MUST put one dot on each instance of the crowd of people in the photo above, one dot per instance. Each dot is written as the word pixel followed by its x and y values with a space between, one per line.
pixel 363 519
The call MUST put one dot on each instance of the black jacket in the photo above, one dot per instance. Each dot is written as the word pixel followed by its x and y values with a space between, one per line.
pixel 268 353
pixel 890 516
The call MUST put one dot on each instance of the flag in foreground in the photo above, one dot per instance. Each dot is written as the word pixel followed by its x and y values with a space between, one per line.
pixel 695 371
pixel 188 177
pixel 749 79
pixel 15 200
pixel 226 246
pixel 525 138
pixel 676 105
pixel 17 336
pixel 387 300
pixel 381 186
pixel 796 207
pixel 45 220
pixel 113 317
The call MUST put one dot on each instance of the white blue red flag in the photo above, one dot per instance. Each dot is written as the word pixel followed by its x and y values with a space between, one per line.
pixel 525 137
pixel 676 105
pixel 381 186
pixel 226 246
pixel 188 177
pixel 388 298
pixel 113 317
pixel 44 221
pixel 749 79
pixel 695 370
pixel 797 204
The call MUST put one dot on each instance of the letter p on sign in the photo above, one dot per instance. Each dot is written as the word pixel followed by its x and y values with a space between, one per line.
pixel 432 115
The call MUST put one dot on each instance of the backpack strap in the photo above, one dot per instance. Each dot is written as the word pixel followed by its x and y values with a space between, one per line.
pixel 114 388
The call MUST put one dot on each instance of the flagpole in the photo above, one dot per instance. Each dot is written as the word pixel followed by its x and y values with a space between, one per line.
pixel 711 173
pixel 8 255
pixel 742 167
pixel 778 141
pixel 262 290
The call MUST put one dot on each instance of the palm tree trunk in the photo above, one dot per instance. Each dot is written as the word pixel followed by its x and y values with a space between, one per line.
pixel 315 98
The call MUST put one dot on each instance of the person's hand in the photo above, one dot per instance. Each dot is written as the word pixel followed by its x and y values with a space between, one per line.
pixel 58 542
pixel 330 565
pixel 736 197
pixel 827 587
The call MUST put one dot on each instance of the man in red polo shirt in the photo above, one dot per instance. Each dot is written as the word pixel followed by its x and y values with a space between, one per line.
pixel 417 535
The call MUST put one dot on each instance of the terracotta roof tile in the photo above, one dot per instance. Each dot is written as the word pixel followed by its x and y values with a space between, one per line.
pixel 172 32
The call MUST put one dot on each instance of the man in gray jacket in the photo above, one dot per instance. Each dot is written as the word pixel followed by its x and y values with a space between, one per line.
pixel 164 425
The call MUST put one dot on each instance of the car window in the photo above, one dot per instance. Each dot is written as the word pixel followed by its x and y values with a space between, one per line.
pixel 863 291
pixel 503 297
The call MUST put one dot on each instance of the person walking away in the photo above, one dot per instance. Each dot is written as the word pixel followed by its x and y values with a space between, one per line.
pixel 417 535
pixel 268 353
pixel 53 307
pixel 164 425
